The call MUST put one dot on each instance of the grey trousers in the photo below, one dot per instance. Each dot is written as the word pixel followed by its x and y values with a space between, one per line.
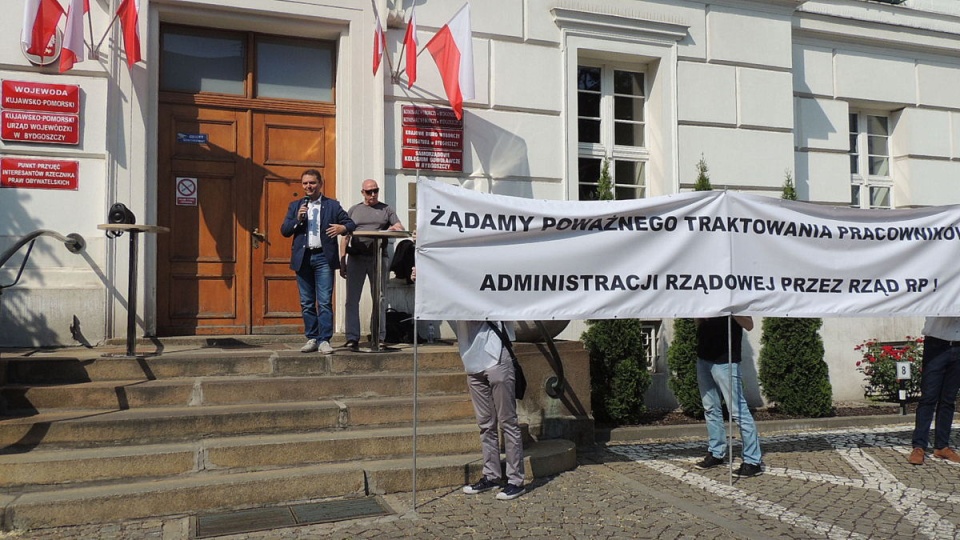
pixel 494 403
pixel 360 269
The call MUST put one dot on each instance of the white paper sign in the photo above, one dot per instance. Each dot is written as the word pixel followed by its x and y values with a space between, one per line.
pixel 186 194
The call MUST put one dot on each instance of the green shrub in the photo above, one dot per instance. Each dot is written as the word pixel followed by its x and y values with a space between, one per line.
pixel 792 371
pixel 682 359
pixel 703 179
pixel 618 369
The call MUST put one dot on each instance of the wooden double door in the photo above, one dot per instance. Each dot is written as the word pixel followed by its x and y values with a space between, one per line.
pixel 225 178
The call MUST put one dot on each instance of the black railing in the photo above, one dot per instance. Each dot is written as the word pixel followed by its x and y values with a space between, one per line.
pixel 73 242
pixel 554 385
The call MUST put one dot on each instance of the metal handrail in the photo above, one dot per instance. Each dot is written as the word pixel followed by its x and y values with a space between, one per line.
pixel 554 385
pixel 73 242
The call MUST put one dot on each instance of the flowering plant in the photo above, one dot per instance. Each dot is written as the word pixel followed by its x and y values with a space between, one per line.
pixel 879 366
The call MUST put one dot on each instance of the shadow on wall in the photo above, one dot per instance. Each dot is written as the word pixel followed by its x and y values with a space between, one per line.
pixel 813 128
pixel 19 327
pixel 25 323
pixel 502 155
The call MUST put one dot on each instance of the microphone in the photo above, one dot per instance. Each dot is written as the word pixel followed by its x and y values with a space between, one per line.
pixel 306 200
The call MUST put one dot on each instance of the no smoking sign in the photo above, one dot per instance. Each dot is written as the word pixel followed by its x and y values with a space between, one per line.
pixel 186 191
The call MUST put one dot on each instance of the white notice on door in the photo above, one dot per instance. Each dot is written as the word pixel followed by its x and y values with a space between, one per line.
pixel 186 191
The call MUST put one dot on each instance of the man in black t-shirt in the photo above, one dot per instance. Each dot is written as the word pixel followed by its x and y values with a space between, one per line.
pixel 716 376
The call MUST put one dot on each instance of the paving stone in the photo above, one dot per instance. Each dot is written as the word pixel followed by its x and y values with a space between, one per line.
pixel 818 484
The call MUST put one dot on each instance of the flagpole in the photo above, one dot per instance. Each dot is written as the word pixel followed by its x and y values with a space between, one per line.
pixel 92 54
pixel 376 14
pixel 109 26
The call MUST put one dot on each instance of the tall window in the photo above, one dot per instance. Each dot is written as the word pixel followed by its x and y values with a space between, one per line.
pixel 870 181
pixel 611 124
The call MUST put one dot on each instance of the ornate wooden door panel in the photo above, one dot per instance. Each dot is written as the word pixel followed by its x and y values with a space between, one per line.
pixel 203 263
pixel 284 145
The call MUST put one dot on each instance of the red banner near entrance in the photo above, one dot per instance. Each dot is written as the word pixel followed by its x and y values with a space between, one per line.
pixel 39 173
pixel 42 97
pixel 39 127
pixel 432 139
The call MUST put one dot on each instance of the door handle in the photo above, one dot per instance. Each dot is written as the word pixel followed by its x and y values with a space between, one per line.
pixel 258 237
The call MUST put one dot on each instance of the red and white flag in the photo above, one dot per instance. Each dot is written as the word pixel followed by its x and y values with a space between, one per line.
pixel 379 43
pixel 410 42
pixel 40 20
pixel 452 50
pixel 129 13
pixel 72 52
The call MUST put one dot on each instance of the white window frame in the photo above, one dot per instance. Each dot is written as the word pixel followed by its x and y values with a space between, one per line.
pixel 606 147
pixel 862 179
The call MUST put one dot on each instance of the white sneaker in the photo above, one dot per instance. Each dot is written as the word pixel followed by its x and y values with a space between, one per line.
pixel 324 348
pixel 310 346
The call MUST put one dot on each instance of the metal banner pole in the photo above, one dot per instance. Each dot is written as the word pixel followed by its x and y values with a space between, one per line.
pixel 416 347
pixel 732 391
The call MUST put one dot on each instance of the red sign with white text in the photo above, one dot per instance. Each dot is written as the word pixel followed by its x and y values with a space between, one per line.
pixel 43 97
pixel 415 115
pixel 451 139
pixel 432 160
pixel 432 139
pixel 39 127
pixel 39 173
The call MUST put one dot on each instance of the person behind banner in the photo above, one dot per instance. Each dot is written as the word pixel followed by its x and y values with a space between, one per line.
pixel 717 376
pixel 491 380
pixel 939 383
pixel 358 262
pixel 314 222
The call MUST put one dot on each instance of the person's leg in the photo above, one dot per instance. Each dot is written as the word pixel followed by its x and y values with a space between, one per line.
pixel 370 272
pixel 712 410
pixel 502 378
pixel 323 277
pixel 384 262
pixel 934 362
pixel 727 378
pixel 483 406
pixel 947 399
pixel 355 277
pixel 308 299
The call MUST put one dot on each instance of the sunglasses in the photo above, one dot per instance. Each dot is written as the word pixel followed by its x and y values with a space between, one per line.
pixel 371 191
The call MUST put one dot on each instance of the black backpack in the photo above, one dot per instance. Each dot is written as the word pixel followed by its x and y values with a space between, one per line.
pixel 399 326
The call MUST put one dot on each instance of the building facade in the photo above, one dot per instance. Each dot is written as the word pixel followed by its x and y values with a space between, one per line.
pixel 853 99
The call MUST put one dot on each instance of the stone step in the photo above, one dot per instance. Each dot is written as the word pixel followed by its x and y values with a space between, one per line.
pixel 173 424
pixel 222 391
pixel 40 467
pixel 223 362
pixel 221 490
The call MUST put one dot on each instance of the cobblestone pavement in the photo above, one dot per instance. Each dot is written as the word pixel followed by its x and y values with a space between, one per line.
pixel 824 484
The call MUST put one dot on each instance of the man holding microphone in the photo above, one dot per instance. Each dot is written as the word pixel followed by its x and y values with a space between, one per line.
pixel 314 222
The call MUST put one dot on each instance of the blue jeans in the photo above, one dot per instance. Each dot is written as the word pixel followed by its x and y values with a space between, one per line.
pixel 315 281
pixel 939 382
pixel 714 380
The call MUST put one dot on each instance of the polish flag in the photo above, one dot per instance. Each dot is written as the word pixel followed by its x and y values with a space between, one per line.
pixel 129 13
pixel 72 52
pixel 379 43
pixel 410 42
pixel 452 50
pixel 40 20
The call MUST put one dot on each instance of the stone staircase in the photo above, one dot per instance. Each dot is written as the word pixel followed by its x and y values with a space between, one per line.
pixel 196 427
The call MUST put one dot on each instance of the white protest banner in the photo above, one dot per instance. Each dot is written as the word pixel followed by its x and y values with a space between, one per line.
pixel 700 254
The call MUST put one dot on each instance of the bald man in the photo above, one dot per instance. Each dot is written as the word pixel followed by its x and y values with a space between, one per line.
pixel 358 260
